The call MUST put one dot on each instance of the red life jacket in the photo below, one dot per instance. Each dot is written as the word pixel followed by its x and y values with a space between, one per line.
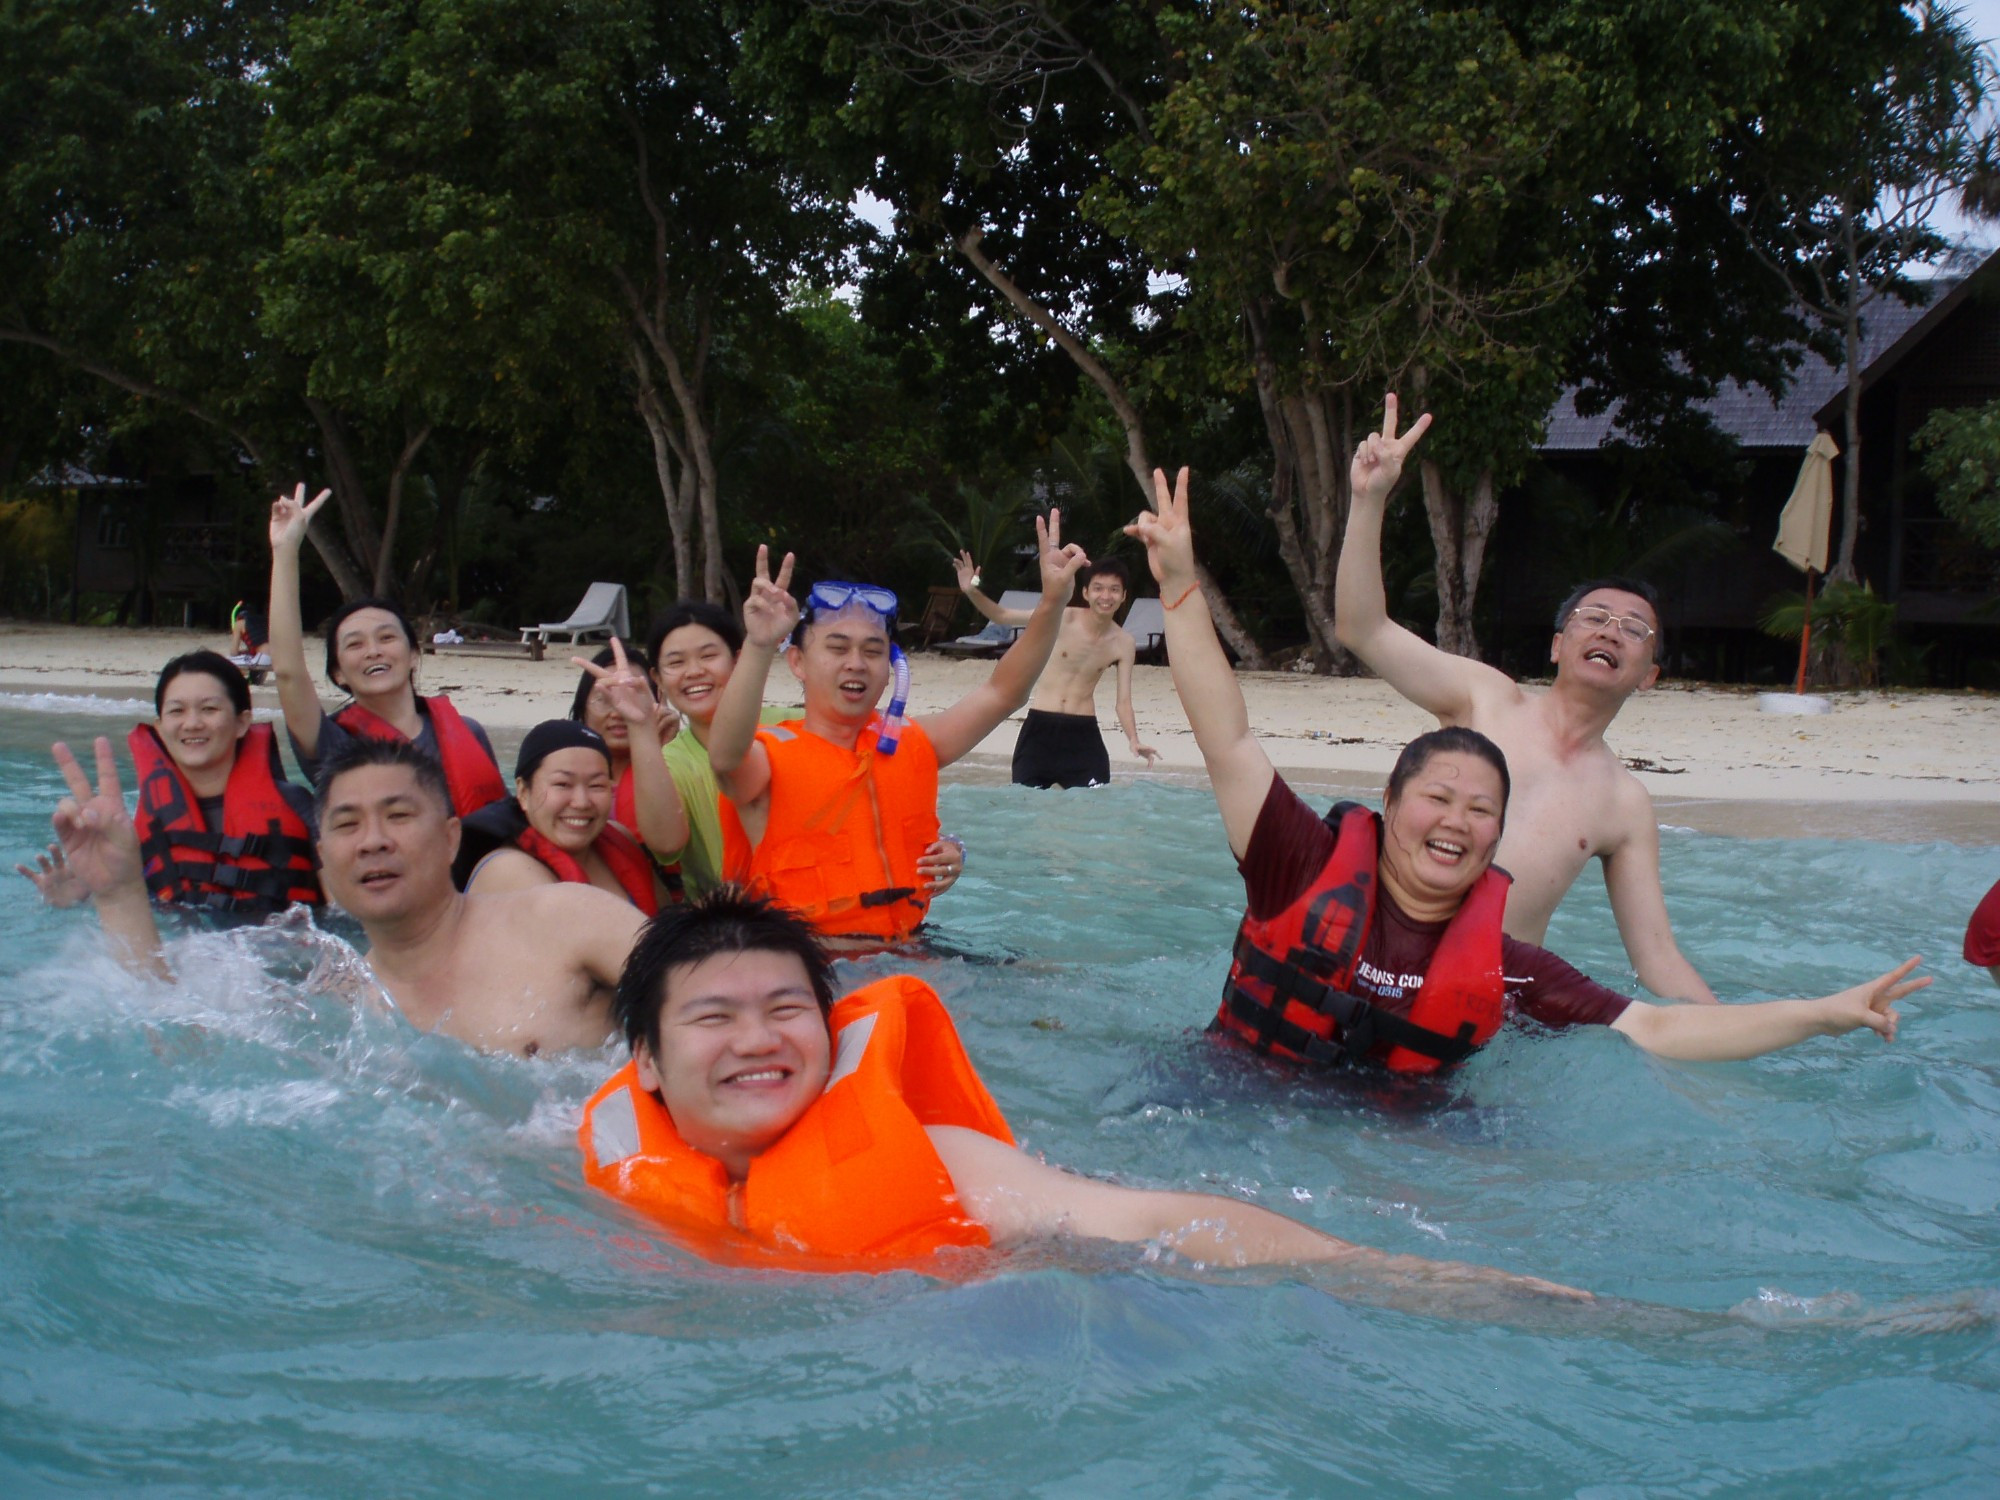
pixel 625 813
pixel 505 823
pixel 1290 986
pixel 468 768
pixel 261 860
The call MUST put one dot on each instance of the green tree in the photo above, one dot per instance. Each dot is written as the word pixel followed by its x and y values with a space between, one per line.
pixel 1961 456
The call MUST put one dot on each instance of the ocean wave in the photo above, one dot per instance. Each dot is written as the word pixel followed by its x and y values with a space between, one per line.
pixel 110 708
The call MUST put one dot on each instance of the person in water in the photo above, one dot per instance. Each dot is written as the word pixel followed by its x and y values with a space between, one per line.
pixel 524 971
pixel 830 813
pixel 762 1122
pixel 220 829
pixel 1982 934
pixel 693 647
pixel 558 825
pixel 1060 744
pixel 1576 801
pixel 1381 939
pixel 371 654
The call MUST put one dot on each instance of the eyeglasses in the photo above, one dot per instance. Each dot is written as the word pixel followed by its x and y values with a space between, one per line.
pixel 837 596
pixel 1596 617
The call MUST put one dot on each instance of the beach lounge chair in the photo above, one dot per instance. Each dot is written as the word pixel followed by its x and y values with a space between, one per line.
pixel 995 638
pixel 1146 623
pixel 602 611
pixel 939 611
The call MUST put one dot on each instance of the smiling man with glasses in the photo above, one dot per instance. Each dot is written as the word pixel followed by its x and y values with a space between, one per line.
pixel 1573 800
pixel 830 813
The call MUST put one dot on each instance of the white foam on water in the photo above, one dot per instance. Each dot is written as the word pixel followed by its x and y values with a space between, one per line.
pixel 64 703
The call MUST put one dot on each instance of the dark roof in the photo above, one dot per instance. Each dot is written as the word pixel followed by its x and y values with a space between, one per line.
pixel 1748 413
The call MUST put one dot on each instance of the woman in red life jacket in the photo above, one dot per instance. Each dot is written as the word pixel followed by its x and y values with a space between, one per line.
pixel 557 826
pixel 595 706
pixel 371 654
pixel 219 827
pixel 1378 939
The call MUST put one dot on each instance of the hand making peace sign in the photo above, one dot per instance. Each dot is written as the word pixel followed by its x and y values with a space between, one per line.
pixel 1168 537
pixel 769 611
pixel 631 698
pixel 99 842
pixel 1378 458
pixel 1060 564
pixel 291 516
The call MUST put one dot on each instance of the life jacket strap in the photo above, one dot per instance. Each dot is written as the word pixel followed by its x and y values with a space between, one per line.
pixel 1364 1026
pixel 887 896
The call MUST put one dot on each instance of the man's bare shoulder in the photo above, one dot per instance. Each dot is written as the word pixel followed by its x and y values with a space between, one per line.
pixel 541 912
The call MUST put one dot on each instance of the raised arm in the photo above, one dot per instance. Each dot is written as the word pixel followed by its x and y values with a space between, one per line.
pixel 101 848
pixel 1127 721
pixel 1238 769
pixel 1726 1033
pixel 663 824
pixel 1436 681
pixel 741 767
pixel 955 731
pixel 1632 880
pixel 1020 1199
pixel 968 585
pixel 291 516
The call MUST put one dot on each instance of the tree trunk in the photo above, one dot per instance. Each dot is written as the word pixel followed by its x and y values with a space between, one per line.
pixel 1459 531
pixel 677 489
pixel 1842 570
pixel 385 559
pixel 1137 460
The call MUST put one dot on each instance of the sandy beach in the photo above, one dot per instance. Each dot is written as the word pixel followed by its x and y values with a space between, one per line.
pixel 1888 764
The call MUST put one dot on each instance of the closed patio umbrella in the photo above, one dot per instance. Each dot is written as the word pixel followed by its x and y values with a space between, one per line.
pixel 1803 527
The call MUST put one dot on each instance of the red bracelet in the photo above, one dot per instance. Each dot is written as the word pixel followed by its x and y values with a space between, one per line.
pixel 1184 597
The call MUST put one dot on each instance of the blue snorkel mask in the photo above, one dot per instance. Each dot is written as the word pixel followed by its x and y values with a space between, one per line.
pixel 831 598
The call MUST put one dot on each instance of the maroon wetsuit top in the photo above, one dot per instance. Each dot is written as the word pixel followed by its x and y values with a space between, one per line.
pixel 1290 846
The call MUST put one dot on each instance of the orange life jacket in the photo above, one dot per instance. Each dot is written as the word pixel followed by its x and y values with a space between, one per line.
pixel 855 1180
pixel 468 769
pixel 1290 986
pixel 843 831
pixel 261 859
pixel 506 823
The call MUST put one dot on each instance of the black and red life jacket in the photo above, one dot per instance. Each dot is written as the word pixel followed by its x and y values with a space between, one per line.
pixel 1290 988
pixel 468 767
pixel 505 823
pixel 260 861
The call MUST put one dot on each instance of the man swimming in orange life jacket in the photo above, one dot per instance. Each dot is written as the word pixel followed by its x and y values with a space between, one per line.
pixel 764 1124
pixel 523 971
pixel 831 813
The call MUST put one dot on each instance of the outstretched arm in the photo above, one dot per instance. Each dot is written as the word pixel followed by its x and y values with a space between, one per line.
pixel 1019 1198
pixel 1436 681
pixel 741 767
pixel 968 585
pixel 955 731
pixel 1726 1033
pixel 1632 879
pixel 291 516
pixel 101 847
pixel 1238 769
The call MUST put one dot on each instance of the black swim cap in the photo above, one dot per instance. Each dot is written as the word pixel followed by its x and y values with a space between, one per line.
pixel 550 736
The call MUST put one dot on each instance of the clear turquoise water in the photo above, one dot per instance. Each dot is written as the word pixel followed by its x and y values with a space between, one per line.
pixel 252 1242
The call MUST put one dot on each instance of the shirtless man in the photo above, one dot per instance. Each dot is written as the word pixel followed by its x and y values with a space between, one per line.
pixel 1573 800
pixel 523 971
pixel 1060 744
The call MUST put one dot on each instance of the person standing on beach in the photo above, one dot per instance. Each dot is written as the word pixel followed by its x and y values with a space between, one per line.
pixel 371 654
pixel 523 971
pixel 1573 799
pixel 1060 744
pixel 830 813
